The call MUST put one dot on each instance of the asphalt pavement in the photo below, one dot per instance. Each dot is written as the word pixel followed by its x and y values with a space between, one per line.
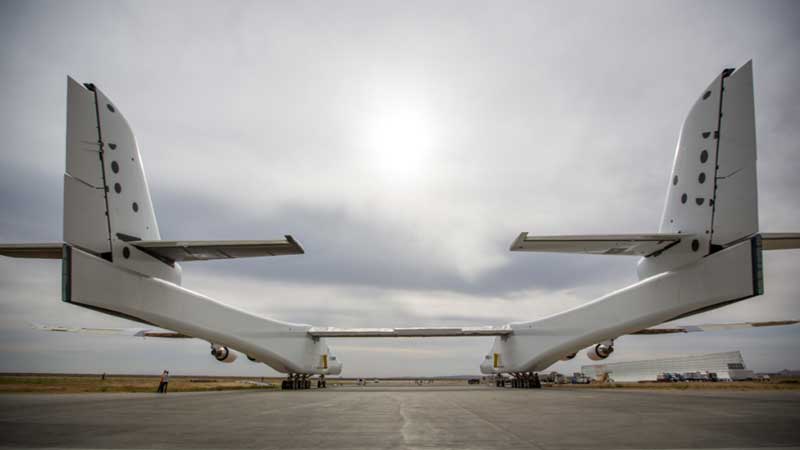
pixel 404 418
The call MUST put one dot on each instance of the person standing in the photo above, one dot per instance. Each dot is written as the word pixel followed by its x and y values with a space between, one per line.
pixel 162 386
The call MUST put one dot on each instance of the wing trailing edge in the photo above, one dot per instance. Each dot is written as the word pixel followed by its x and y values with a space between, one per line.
pixel 173 251
pixel 715 327
pixel 599 244
pixel 780 241
pixel 332 332
pixel 51 250
pixel 130 332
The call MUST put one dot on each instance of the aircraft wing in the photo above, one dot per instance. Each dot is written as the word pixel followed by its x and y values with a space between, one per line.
pixel 331 332
pixel 608 244
pixel 334 332
pixel 171 251
pixel 51 250
pixel 132 332
pixel 715 327
pixel 780 241
pixel 207 250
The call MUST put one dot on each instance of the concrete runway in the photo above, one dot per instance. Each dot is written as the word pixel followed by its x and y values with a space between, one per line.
pixel 400 418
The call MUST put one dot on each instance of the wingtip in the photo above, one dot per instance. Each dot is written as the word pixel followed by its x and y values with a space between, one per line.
pixel 295 244
pixel 517 244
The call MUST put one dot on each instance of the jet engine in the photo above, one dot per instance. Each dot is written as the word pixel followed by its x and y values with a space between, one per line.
pixel 600 351
pixel 222 353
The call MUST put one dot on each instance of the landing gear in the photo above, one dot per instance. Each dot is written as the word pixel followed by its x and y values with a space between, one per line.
pixel 301 381
pixel 295 381
pixel 521 380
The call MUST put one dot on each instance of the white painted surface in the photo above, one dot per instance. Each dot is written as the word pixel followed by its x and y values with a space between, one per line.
pixel 534 346
pixel 736 203
pixel 696 136
pixel 284 346
pixel 120 147
pixel 85 223
pixel 83 143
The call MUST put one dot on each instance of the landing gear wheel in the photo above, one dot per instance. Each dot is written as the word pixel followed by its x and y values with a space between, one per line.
pixel 536 383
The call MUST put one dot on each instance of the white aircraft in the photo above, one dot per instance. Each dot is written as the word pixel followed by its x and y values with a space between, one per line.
pixel 706 254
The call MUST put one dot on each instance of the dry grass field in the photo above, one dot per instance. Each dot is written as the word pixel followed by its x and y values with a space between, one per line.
pixel 71 384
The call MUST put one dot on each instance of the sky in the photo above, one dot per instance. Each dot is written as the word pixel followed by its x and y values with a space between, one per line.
pixel 404 145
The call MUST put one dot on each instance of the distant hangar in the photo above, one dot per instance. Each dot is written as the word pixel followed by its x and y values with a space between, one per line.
pixel 727 366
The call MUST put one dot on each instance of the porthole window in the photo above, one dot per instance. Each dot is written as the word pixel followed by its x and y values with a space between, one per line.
pixel 675 180
pixel 701 178
pixel 112 145
pixel 110 108
pixel 699 200
pixel 684 198
pixel 695 245
pixel 706 95
pixel 135 207
pixel 126 252
pixel 117 188
pixel 706 134
pixel 114 166
pixel 704 156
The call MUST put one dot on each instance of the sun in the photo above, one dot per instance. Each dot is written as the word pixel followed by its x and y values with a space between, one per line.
pixel 399 143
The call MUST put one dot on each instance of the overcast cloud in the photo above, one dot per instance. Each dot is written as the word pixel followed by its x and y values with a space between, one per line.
pixel 405 145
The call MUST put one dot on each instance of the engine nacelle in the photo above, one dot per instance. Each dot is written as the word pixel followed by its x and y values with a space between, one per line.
pixel 600 351
pixel 222 353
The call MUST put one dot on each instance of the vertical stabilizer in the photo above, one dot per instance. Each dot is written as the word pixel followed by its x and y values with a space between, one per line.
pixel 712 194
pixel 106 199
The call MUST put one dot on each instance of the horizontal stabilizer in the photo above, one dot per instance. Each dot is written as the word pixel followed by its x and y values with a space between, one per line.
pixel 611 244
pixel 330 332
pixel 207 250
pixel 716 327
pixel 43 251
pixel 780 241
pixel 132 332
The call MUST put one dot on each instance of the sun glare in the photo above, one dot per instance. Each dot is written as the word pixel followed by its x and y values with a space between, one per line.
pixel 400 144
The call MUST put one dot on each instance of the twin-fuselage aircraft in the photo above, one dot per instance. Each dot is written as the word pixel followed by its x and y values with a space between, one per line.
pixel 706 254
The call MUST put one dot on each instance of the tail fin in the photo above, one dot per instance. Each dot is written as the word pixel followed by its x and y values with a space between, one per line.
pixel 712 192
pixel 106 199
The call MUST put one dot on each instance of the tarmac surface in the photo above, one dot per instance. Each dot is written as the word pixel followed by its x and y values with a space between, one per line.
pixel 404 418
